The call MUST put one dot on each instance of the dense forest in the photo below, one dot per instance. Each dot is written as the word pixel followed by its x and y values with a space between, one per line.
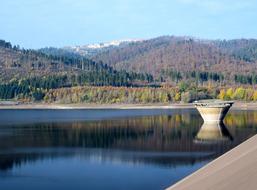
pixel 203 78
pixel 16 63
pixel 234 60
pixel 160 70
pixel 184 54
pixel 107 95
pixel 243 49
pixel 28 73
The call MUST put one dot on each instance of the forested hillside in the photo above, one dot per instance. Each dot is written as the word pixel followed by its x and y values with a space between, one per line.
pixel 184 54
pixel 164 69
pixel 241 49
pixel 172 59
pixel 29 73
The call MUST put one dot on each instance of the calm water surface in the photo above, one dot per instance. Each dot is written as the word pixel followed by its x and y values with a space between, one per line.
pixel 111 149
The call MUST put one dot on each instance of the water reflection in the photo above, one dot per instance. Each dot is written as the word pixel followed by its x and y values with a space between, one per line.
pixel 165 141
pixel 175 135
pixel 215 132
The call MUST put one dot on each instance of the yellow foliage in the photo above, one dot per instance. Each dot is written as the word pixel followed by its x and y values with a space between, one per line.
pixel 229 94
pixel 222 94
pixel 239 93
pixel 255 96
pixel 109 94
pixel 177 96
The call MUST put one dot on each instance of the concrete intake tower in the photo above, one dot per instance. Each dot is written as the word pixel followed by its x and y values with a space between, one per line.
pixel 213 129
pixel 213 111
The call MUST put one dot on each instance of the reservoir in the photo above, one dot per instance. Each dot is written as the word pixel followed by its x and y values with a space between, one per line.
pixel 111 148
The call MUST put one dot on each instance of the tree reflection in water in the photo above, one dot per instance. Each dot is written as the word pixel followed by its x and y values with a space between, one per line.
pixel 164 140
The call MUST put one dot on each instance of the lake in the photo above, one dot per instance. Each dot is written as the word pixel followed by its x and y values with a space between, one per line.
pixel 111 149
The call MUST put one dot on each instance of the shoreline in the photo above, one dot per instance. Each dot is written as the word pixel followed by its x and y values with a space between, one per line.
pixel 236 106
pixel 98 106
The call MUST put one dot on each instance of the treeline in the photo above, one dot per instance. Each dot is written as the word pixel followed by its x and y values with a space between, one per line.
pixel 110 95
pixel 5 44
pixel 56 90
pixel 107 95
pixel 36 87
pixel 59 52
pixel 199 77
pixel 246 79
pixel 245 94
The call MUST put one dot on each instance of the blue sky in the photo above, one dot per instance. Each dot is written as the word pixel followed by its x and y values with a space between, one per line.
pixel 41 23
